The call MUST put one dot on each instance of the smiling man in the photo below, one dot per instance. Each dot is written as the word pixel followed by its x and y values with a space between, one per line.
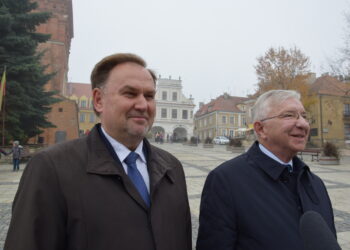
pixel 111 189
pixel 255 201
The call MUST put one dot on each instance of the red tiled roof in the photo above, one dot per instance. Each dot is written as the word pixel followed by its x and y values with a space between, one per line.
pixel 79 89
pixel 224 102
pixel 329 85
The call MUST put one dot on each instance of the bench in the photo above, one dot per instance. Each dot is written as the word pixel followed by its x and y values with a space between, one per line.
pixel 314 152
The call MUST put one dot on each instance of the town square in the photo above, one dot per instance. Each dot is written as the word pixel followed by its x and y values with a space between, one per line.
pixel 198 162
pixel 174 125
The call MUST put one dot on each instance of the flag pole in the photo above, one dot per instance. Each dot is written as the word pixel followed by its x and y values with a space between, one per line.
pixel 3 124
pixel 3 117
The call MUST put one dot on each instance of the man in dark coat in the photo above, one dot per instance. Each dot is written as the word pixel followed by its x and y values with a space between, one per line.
pixel 255 201
pixel 110 189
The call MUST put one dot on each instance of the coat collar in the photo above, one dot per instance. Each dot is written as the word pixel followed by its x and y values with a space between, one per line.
pixel 271 167
pixel 274 169
pixel 100 160
pixel 103 162
pixel 158 165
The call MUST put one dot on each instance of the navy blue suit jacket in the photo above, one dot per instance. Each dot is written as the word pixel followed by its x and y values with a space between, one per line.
pixel 246 205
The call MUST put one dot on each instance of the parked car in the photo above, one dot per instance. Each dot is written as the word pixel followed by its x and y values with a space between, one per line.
pixel 221 140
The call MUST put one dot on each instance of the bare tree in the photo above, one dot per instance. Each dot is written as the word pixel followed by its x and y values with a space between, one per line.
pixel 340 65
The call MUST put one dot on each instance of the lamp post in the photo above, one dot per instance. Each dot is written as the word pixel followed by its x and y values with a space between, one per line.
pixel 321 120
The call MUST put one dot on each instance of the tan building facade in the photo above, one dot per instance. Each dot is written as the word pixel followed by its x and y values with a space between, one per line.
pixel 225 115
pixel 330 112
pixel 81 93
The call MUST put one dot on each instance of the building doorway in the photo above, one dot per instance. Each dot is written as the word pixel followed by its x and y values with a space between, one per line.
pixel 179 135
pixel 158 134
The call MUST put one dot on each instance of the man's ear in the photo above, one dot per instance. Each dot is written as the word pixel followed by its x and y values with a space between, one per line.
pixel 97 94
pixel 259 129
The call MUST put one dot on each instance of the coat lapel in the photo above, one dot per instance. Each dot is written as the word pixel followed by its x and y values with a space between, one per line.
pixel 158 167
pixel 102 160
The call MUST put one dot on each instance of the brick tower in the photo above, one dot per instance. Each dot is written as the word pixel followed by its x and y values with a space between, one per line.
pixel 64 115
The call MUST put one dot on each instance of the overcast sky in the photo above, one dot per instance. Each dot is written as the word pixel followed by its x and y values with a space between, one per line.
pixel 211 45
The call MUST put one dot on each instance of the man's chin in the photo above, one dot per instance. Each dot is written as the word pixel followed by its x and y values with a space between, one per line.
pixel 138 132
pixel 299 142
pixel 299 147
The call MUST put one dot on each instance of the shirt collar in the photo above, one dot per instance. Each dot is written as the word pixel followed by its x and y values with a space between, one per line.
pixel 273 156
pixel 122 151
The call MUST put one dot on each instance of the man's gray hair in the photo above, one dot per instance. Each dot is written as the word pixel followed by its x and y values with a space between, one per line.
pixel 270 99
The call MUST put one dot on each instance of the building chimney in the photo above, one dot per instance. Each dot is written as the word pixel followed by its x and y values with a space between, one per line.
pixel 201 104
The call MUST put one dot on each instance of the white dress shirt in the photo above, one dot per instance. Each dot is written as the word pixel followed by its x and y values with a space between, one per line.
pixel 122 152
pixel 274 157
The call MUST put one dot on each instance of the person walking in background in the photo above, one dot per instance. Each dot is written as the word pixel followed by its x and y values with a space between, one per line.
pixel 255 201
pixel 16 152
pixel 157 137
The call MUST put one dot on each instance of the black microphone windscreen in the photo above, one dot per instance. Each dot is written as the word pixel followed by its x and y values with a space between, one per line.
pixel 315 233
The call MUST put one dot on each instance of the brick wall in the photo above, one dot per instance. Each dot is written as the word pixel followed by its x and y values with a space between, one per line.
pixel 60 26
pixel 64 115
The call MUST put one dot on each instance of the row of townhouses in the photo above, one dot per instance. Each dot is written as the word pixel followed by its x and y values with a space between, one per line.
pixel 226 115
pixel 229 115
pixel 174 114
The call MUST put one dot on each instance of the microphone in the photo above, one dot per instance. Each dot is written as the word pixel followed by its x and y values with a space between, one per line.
pixel 315 233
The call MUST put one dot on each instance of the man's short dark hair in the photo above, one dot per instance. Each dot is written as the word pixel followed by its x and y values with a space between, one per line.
pixel 102 69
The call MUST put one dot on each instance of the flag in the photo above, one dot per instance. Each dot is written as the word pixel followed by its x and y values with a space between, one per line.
pixel 2 87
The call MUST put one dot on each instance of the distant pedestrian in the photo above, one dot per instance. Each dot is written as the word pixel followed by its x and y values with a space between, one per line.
pixel 157 137
pixel 16 152
pixel 161 138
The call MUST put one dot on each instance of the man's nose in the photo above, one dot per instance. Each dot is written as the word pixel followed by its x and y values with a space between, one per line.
pixel 141 103
pixel 302 122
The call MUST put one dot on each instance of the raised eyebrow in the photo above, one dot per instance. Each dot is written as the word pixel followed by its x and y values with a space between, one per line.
pixel 288 112
pixel 151 92
pixel 294 111
pixel 126 88
pixel 133 89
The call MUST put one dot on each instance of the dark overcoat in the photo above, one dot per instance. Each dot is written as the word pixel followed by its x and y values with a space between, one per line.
pixel 247 204
pixel 76 196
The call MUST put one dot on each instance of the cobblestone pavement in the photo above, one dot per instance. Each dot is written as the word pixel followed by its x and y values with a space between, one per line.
pixel 8 186
pixel 198 162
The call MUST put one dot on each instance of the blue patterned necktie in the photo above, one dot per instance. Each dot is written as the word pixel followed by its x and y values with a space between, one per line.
pixel 290 168
pixel 136 177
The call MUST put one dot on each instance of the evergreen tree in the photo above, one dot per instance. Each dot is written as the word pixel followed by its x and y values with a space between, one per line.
pixel 27 103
